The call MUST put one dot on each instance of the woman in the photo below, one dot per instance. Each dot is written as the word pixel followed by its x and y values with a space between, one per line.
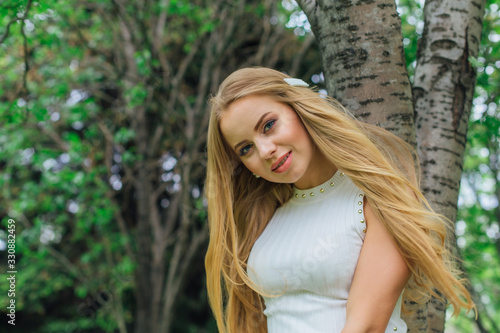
pixel 316 220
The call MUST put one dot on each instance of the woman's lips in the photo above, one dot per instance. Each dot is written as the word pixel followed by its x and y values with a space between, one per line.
pixel 283 163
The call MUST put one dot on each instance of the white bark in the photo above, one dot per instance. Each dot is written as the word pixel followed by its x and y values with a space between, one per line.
pixel 362 52
pixel 443 91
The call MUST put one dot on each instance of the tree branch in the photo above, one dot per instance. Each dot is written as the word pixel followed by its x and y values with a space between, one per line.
pixel 7 29
pixel 25 48
pixel 15 19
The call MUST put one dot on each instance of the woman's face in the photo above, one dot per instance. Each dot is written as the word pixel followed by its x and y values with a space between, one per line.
pixel 272 142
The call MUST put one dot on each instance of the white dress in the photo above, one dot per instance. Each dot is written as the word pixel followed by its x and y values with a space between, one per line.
pixel 307 256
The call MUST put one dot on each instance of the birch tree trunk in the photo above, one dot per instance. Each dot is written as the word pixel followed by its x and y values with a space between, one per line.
pixel 364 66
pixel 361 48
pixel 443 92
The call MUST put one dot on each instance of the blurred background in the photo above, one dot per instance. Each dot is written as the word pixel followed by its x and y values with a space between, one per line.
pixel 103 116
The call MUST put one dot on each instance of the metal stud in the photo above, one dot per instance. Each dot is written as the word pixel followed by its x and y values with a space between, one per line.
pixel 296 195
pixel 361 195
pixel 341 174
pixel 360 211
pixel 364 230
pixel 395 329
pixel 322 190
pixel 362 221
pixel 311 194
pixel 303 195
pixel 332 184
pixel 360 202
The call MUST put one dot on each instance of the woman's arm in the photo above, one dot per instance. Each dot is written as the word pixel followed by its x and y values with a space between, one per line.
pixel 379 279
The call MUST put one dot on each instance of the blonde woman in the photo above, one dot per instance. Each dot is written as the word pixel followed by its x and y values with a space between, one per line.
pixel 316 220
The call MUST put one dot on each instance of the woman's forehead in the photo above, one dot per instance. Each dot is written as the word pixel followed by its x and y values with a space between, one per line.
pixel 240 117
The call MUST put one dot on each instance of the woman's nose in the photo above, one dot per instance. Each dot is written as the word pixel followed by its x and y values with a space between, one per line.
pixel 266 149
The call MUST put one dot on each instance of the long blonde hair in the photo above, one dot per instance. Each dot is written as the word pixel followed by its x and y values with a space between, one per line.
pixel 378 162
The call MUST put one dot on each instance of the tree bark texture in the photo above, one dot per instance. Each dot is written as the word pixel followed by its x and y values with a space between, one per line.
pixel 443 92
pixel 361 46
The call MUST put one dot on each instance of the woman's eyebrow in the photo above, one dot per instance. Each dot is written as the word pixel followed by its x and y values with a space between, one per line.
pixel 256 128
pixel 260 121
pixel 238 144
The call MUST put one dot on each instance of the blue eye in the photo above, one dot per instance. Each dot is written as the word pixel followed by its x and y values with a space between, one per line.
pixel 269 125
pixel 245 149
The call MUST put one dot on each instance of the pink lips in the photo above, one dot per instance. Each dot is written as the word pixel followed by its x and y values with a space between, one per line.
pixel 287 158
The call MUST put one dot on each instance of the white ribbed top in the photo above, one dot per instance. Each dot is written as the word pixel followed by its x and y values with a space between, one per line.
pixel 307 255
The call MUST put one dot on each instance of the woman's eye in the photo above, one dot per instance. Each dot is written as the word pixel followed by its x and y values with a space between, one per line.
pixel 245 149
pixel 269 125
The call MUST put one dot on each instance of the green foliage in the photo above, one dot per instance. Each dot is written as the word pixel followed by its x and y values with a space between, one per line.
pixel 411 13
pixel 52 180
